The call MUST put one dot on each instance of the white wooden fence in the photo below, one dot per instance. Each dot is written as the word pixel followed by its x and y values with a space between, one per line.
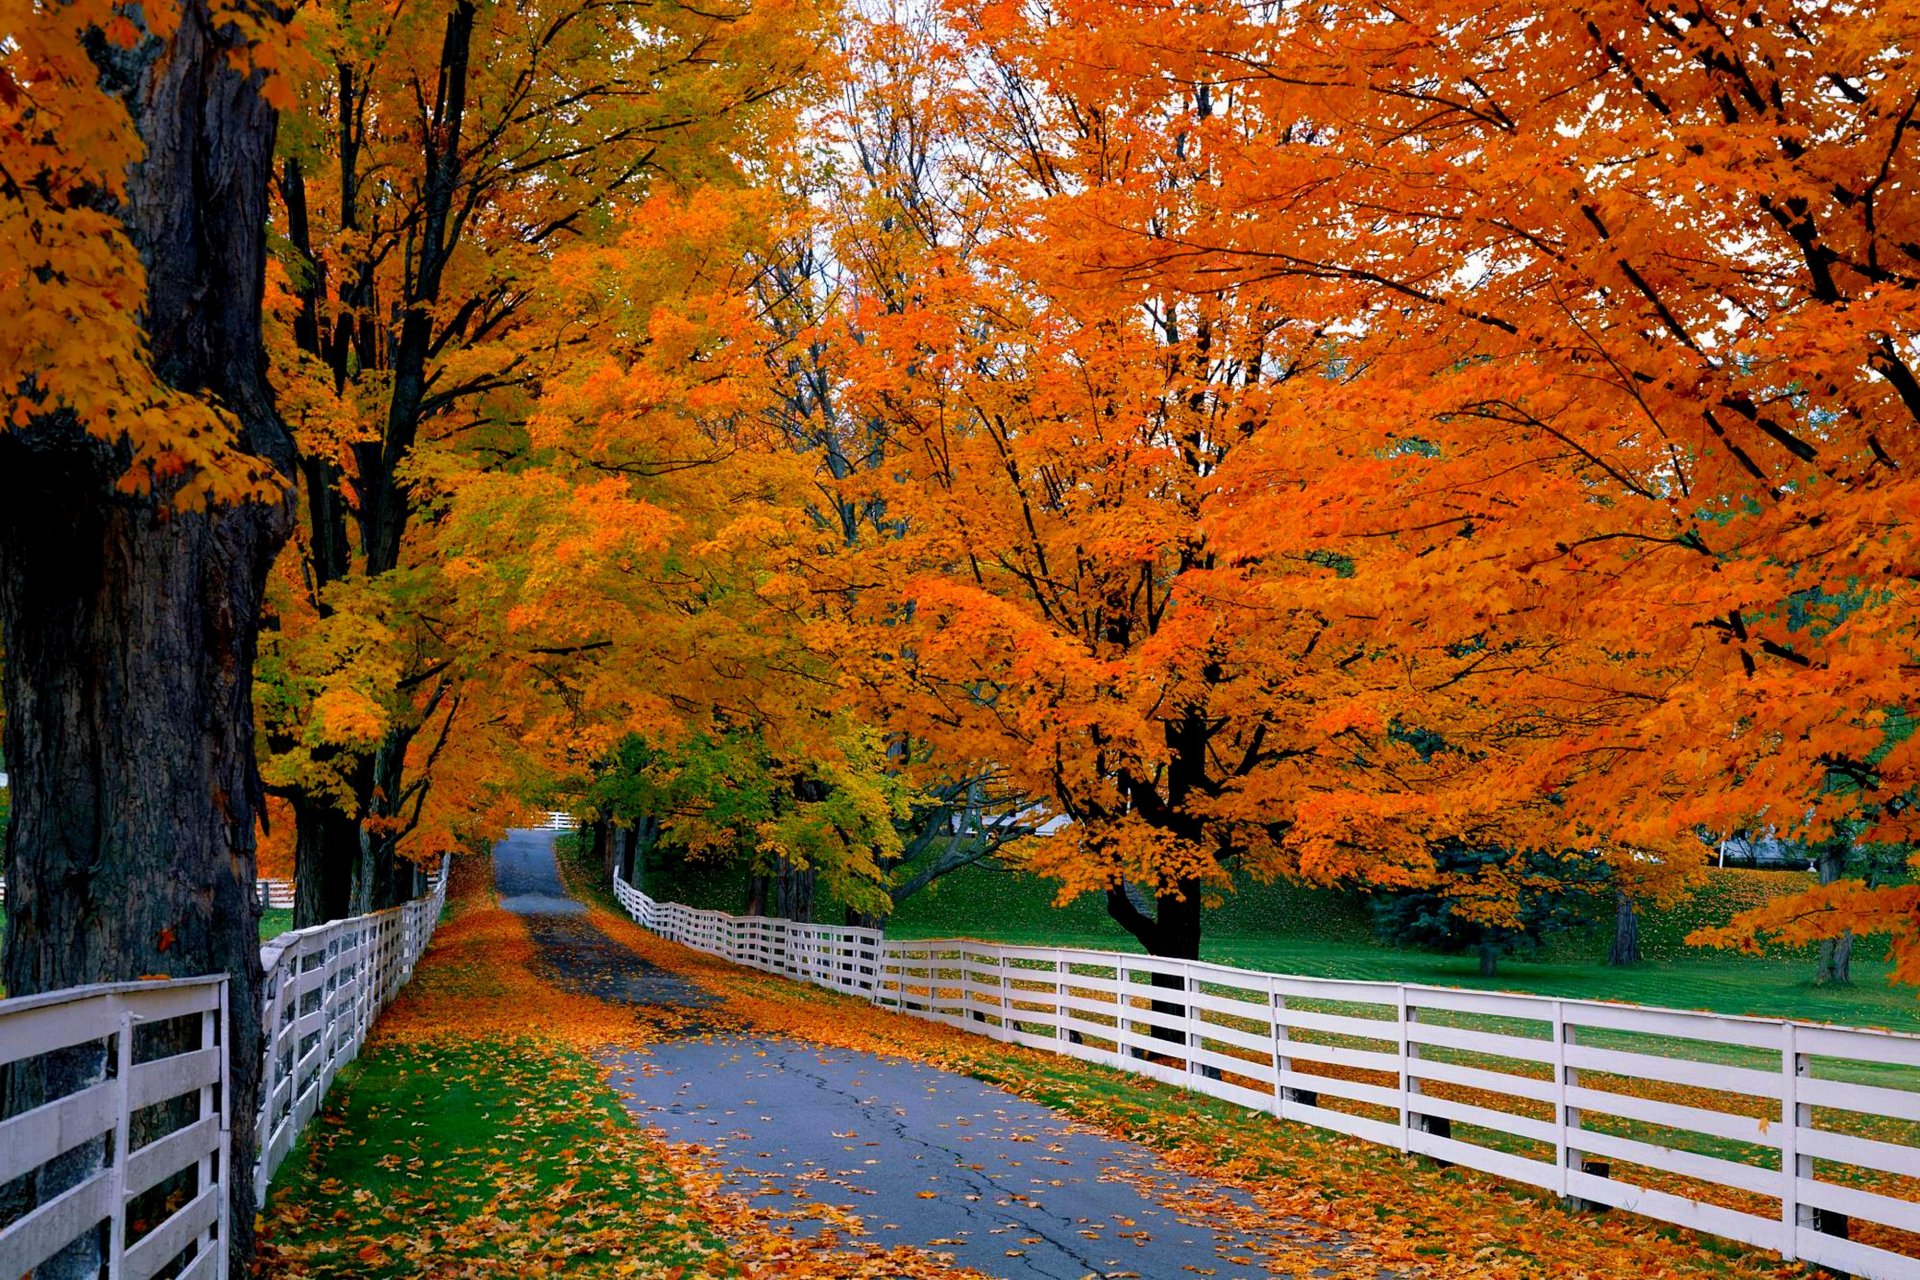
pixel 324 987
pixel 1781 1135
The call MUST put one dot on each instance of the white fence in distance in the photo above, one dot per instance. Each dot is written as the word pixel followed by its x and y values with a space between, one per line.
pixel 161 1042
pixel 1759 1130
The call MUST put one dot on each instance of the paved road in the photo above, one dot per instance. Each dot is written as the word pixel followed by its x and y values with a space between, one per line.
pixel 924 1157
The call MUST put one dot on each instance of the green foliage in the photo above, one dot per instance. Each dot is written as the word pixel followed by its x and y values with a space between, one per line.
pixel 1491 902
pixel 731 796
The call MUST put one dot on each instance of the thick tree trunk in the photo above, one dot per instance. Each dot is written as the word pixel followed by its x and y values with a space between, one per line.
pixel 1173 933
pixel 130 626
pixel 325 842
pixel 1489 959
pixel 1626 931
pixel 1836 961
pixel 129 634
pixel 630 849
pixel 793 892
pixel 784 893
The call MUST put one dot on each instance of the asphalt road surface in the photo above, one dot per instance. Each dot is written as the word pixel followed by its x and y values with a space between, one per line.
pixel 923 1157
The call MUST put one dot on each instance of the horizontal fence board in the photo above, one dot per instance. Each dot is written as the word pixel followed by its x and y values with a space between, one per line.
pixel 1483 1042
pixel 1688 1164
pixel 1762 1233
pixel 1867 1099
pixel 1674 1115
pixel 1501 1164
pixel 1867 1153
pixel 164 1157
pixel 1858 1046
pixel 1855 1203
pixel 39 1235
pixel 1258 1039
pixel 165 1242
pixel 1483 1078
pixel 1685 1071
pixel 34 1137
pixel 1850 1257
pixel 157 1081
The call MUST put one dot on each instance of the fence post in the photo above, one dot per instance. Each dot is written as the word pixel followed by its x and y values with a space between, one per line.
pixel 1790 1145
pixel 1565 1118
pixel 1276 1005
pixel 123 1071
pixel 213 1165
pixel 1404 1048
pixel 1062 1031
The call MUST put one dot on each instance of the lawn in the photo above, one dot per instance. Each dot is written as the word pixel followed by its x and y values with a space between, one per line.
pixel 1284 928
pixel 504 1158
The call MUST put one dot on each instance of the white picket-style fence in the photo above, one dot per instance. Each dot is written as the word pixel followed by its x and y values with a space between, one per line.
pixel 1753 1129
pixel 324 987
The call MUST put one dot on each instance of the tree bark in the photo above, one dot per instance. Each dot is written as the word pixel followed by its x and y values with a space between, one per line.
pixel 1489 959
pixel 322 870
pixel 1835 965
pixel 130 626
pixel 1626 931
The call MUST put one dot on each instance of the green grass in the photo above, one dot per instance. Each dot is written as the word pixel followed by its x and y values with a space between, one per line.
pixel 486 1159
pixel 1284 928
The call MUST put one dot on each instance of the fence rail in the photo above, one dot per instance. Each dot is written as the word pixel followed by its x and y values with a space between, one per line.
pixel 1797 1138
pixel 128 1133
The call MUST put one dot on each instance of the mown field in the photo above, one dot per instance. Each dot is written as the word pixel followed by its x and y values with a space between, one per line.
pixel 1285 928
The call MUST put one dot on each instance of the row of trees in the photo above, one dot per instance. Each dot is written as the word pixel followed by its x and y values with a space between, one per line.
pixel 288 288
pixel 1162 443
pixel 1305 443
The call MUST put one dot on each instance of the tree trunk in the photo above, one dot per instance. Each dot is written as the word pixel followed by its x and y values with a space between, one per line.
pixel 600 844
pixel 793 892
pixel 629 850
pixel 130 626
pixel 1172 932
pixel 1626 931
pixel 1836 961
pixel 325 847
pixel 1835 966
pixel 1489 959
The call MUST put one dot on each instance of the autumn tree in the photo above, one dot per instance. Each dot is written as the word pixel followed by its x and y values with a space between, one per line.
pixel 143 494
pixel 1062 607
pixel 1636 323
pixel 444 161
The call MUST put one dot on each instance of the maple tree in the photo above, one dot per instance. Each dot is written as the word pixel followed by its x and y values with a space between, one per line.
pixel 1039 585
pixel 429 237
pixel 143 494
pixel 1625 336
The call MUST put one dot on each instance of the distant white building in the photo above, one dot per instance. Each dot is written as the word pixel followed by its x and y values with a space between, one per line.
pixel 1766 850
